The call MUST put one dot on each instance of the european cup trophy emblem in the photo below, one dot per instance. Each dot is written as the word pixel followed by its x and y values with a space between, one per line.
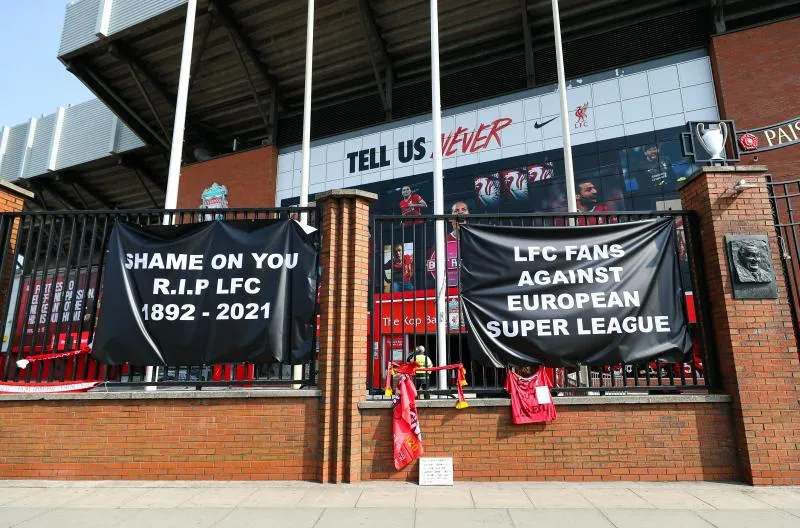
pixel 713 138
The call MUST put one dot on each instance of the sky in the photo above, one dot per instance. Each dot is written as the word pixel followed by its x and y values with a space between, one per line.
pixel 33 81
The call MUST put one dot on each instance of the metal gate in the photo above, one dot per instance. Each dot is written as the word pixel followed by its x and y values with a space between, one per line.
pixel 785 199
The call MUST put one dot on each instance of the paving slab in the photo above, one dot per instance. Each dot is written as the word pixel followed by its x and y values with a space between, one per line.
pixel 731 499
pixel 162 498
pixel 559 519
pixel 458 518
pixel 750 518
pixel 667 499
pixel 435 497
pixel 13 516
pixel 9 495
pixel 501 498
pixel 615 498
pixel 331 497
pixel 174 518
pixel 776 497
pixel 387 498
pixel 105 498
pixel 218 498
pixel 80 518
pixel 557 498
pixel 367 518
pixel 48 497
pixel 273 498
pixel 271 518
pixel 656 519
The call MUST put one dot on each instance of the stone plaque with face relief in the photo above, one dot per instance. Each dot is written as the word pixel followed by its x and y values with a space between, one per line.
pixel 750 265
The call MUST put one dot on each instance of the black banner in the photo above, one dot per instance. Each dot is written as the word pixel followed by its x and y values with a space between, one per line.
pixel 563 296
pixel 213 292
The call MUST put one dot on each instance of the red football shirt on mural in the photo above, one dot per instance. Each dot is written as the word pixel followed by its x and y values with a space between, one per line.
pixel 411 207
pixel 530 397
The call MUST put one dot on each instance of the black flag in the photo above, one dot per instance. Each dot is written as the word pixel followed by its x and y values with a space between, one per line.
pixel 212 292
pixel 562 296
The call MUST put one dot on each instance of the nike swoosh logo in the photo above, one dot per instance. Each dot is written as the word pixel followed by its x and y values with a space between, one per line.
pixel 540 125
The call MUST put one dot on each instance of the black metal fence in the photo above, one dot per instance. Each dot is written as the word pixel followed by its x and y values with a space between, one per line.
pixel 51 273
pixel 785 199
pixel 404 316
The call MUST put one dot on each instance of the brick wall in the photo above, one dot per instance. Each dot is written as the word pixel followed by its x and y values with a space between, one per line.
pixel 161 439
pixel 657 442
pixel 754 338
pixel 12 200
pixel 756 73
pixel 249 175
pixel 343 331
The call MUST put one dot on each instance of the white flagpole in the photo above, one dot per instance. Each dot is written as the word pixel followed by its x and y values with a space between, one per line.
pixel 307 110
pixel 178 127
pixel 297 370
pixel 438 201
pixel 572 205
pixel 176 152
pixel 562 93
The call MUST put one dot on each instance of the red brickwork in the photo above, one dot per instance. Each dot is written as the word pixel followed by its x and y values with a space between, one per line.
pixel 161 439
pixel 249 175
pixel 343 344
pixel 11 201
pixel 655 442
pixel 756 73
pixel 755 340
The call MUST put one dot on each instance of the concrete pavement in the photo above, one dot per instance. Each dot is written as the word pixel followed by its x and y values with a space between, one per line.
pixel 45 504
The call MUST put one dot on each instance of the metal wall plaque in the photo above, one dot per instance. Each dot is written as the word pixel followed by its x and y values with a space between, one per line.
pixel 750 265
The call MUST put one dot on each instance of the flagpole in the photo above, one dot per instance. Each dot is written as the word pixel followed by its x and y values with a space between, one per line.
pixel 297 370
pixel 562 95
pixel 572 205
pixel 178 128
pixel 307 111
pixel 438 201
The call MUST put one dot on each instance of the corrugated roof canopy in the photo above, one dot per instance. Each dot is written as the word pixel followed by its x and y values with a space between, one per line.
pixel 371 59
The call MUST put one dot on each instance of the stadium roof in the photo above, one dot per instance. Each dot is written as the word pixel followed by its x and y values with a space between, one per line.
pixel 371 63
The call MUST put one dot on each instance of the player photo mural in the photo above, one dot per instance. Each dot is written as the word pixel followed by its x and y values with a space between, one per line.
pixel 411 205
pixel 398 267
pixel 458 208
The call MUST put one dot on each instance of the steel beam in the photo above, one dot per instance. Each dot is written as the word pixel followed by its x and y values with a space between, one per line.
pixel 247 76
pixel 126 55
pixel 225 16
pixel 94 194
pixel 135 165
pixel 530 72
pixel 117 105
pixel 149 101
pixel 717 15
pixel 201 48
pixel 374 41
pixel 41 185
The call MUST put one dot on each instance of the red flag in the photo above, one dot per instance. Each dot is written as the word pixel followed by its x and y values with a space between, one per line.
pixel 405 424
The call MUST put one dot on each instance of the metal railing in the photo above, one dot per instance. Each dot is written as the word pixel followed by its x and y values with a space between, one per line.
pixel 784 197
pixel 403 312
pixel 51 275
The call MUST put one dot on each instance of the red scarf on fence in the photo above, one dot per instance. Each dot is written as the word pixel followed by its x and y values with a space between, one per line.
pixel 24 362
pixel 406 433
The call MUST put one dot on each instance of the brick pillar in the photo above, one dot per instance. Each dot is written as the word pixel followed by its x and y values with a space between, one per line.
pixel 12 200
pixel 755 342
pixel 344 298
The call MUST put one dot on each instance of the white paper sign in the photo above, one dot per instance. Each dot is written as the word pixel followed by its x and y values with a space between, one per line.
pixel 543 395
pixel 435 471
